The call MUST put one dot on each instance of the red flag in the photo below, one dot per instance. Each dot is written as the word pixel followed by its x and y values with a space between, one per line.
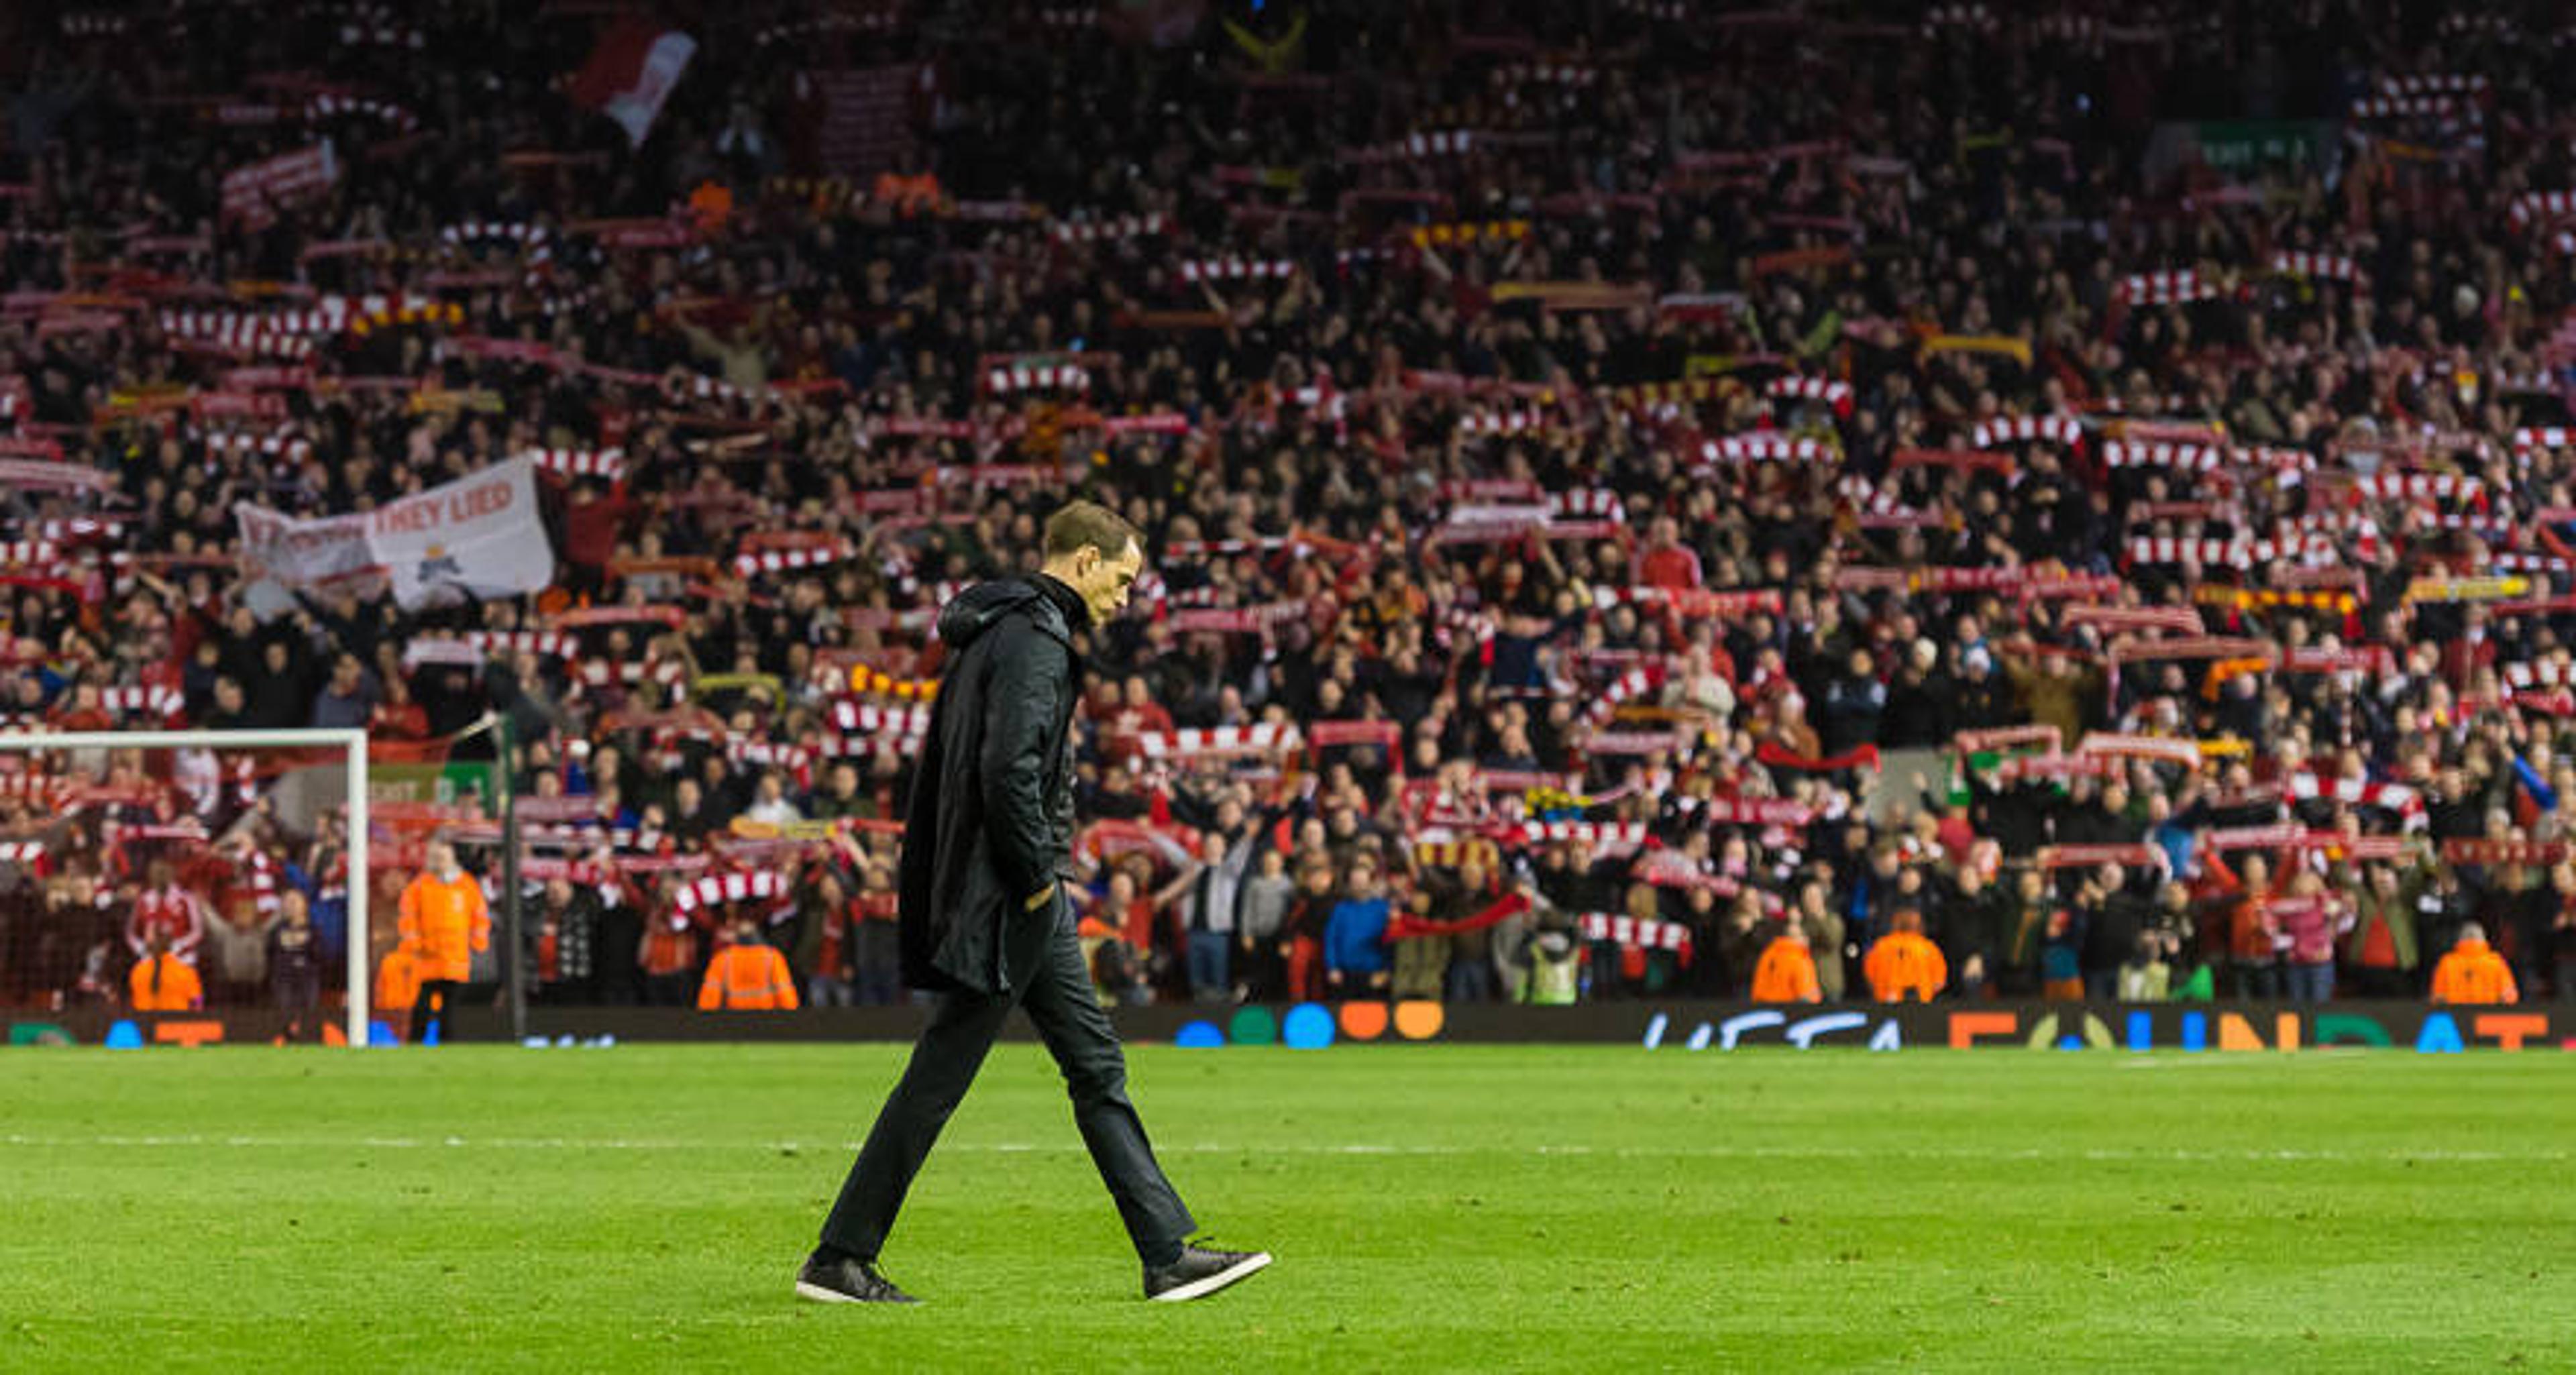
pixel 631 73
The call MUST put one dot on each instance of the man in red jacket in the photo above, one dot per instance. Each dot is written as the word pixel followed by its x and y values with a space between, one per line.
pixel 1668 563
pixel 166 910
pixel 593 523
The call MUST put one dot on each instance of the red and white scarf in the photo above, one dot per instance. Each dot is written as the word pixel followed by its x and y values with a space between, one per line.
pixel 2328 265
pixel 1634 683
pixel 1631 931
pixel 754 563
pixel 1269 737
pixel 2180 620
pixel 2357 792
pixel 2018 429
pixel 608 463
pixel 2165 288
pixel 2092 856
pixel 1118 230
pixel 1768 447
pixel 1022 377
pixel 1835 394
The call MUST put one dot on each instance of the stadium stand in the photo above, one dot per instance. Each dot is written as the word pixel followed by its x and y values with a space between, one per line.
pixel 1621 479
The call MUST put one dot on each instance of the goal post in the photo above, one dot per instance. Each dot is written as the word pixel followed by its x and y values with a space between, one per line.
pixel 352 746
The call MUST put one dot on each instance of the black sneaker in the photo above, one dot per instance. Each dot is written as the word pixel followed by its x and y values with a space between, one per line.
pixel 846 1281
pixel 1199 1273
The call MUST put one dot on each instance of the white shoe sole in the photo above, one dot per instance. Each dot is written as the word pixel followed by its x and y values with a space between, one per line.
pixel 1201 1288
pixel 819 1294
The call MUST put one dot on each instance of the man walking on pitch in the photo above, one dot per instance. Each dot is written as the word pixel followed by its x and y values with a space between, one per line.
pixel 986 924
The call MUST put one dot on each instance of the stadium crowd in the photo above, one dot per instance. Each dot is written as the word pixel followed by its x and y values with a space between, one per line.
pixel 1639 501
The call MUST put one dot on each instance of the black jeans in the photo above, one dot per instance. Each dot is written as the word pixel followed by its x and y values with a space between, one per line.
pixel 300 999
pixel 2256 979
pixel 1050 982
pixel 430 1009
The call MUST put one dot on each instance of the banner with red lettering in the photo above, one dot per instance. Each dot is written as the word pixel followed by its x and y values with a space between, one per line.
pixel 253 192
pixel 2469 850
pixel 479 536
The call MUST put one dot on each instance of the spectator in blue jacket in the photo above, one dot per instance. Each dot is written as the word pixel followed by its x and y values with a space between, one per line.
pixel 1355 958
pixel 2170 834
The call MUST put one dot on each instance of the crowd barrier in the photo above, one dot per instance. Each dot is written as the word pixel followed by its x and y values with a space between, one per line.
pixel 1666 1027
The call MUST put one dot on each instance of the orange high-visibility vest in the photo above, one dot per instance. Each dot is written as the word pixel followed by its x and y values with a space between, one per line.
pixel 1903 965
pixel 748 978
pixel 179 989
pixel 1786 974
pixel 2473 973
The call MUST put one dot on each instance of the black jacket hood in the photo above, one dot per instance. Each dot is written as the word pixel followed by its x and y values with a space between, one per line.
pixel 979 608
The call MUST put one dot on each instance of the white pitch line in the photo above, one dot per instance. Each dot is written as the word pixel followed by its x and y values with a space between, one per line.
pixel 1713 1152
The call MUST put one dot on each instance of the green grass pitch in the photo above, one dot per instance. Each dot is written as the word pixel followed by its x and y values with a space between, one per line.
pixel 1432 1208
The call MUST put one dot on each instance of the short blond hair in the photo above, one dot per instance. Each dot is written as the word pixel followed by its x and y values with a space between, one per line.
pixel 1079 525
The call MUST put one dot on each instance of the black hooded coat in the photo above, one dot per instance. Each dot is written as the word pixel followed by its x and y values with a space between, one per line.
pixel 990 819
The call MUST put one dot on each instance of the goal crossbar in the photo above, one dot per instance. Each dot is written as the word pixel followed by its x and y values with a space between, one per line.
pixel 352 744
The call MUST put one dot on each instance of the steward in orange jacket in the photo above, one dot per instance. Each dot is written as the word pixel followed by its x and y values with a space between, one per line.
pixel 444 919
pixel 2473 973
pixel 1904 964
pixel 1786 972
pixel 161 983
pixel 748 976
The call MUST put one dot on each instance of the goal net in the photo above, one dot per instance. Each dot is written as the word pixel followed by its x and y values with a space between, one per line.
pixel 198 885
